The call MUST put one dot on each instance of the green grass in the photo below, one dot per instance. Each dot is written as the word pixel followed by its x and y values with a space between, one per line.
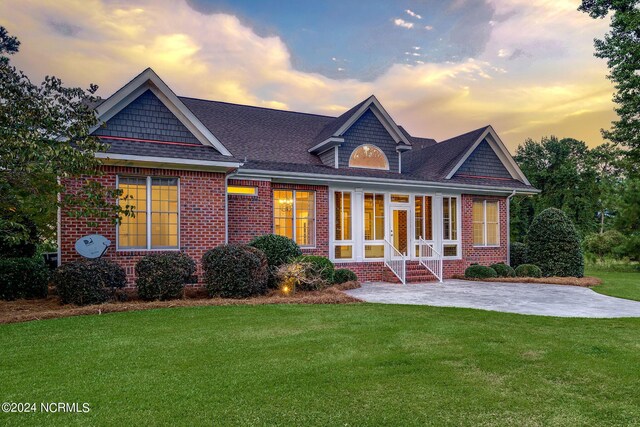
pixel 358 364
pixel 617 284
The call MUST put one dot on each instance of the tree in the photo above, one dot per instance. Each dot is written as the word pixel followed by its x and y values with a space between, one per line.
pixel 609 164
pixel 563 171
pixel 621 48
pixel 45 136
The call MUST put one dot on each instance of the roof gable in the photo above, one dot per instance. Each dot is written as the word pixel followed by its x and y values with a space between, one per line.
pixel 148 80
pixel 483 162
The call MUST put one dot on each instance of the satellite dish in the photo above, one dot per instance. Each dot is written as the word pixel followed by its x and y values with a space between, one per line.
pixel 92 246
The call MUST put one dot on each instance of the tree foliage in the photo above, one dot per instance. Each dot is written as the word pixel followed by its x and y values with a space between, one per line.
pixel 621 48
pixel 45 136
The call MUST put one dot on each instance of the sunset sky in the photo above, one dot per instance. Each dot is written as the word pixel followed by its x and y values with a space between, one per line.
pixel 440 68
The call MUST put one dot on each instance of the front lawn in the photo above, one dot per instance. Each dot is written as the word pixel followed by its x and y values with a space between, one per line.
pixel 360 364
pixel 617 284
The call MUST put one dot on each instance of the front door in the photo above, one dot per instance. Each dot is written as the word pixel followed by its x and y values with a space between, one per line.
pixel 400 229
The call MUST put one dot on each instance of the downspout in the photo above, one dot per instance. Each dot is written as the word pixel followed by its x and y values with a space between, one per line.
pixel 509 226
pixel 226 203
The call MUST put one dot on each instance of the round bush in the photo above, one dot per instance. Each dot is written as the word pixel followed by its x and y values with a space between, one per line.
pixel 235 271
pixel 604 244
pixel 518 254
pixel 87 281
pixel 528 270
pixel 279 250
pixel 320 266
pixel 479 272
pixel 343 275
pixel 554 246
pixel 162 276
pixel 503 270
pixel 23 278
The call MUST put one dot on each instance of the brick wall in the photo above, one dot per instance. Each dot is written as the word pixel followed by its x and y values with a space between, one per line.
pixel 202 225
pixel 251 216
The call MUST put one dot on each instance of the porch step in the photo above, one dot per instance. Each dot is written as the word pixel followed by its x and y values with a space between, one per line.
pixel 416 273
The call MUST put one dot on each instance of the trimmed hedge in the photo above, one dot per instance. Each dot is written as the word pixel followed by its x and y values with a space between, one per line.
pixel 279 250
pixel 528 270
pixel 162 276
pixel 89 281
pixel 320 266
pixel 479 272
pixel 503 270
pixel 235 271
pixel 23 278
pixel 343 275
pixel 517 254
pixel 554 246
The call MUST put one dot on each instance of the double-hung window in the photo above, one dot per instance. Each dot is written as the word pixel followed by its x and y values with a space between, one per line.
pixel 450 232
pixel 373 225
pixel 343 237
pixel 486 228
pixel 155 221
pixel 294 216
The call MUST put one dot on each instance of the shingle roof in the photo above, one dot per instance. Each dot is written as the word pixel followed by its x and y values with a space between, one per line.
pixel 163 149
pixel 332 127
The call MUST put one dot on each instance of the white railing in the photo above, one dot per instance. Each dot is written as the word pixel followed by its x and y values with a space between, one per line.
pixel 396 261
pixel 430 258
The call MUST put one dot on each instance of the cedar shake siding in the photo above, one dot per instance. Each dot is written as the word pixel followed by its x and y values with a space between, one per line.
pixel 368 130
pixel 483 162
pixel 147 118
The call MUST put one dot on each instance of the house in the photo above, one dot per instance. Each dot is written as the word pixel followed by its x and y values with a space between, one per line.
pixel 357 188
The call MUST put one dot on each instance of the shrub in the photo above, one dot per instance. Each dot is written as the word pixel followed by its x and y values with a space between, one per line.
pixel 479 272
pixel 517 254
pixel 503 270
pixel 23 278
pixel 343 275
pixel 162 276
pixel 302 276
pixel 320 266
pixel 87 281
pixel 603 244
pixel 278 250
pixel 528 270
pixel 554 246
pixel 235 271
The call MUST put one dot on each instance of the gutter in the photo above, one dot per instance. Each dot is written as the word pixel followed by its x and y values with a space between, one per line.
pixel 509 227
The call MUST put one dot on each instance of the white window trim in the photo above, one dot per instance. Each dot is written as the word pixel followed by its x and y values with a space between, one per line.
pixel 315 215
pixel 457 241
pixel 386 210
pixel 148 248
pixel 332 223
pixel 484 224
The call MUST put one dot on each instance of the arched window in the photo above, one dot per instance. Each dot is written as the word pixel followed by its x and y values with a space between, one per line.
pixel 368 156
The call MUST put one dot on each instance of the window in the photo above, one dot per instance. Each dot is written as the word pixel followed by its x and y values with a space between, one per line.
pixel 343 231
pixel 450 243
pixel 374 225
pixel 423 219
pixel 242 190
pixel 294 215
pixel 486 230
pixel 368 156
pixel 155 225
pixel 399 198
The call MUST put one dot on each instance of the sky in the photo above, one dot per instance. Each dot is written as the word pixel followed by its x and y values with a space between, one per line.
pixel 440 68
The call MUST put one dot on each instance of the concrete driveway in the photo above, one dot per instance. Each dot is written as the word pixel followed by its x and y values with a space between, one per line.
pixel 523 298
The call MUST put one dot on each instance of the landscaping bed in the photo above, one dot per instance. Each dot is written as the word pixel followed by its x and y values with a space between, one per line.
pixel 51 307
pixel 585 282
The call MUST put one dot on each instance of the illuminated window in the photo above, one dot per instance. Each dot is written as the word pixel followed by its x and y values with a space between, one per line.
pixel 374 225
pixel 450 247
pixel 399 198
pixel 241 190
pixel 155 224
pixel 368 156
pixel 423 219
pixel 294 215
pixel 343 234
pixel 486 230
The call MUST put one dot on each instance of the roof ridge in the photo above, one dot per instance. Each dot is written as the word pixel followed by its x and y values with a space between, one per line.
pixel 255 106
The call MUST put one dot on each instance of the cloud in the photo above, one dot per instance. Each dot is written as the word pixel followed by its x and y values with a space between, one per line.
pixel 561 88
pixel 428 27
pixel 402 23
pixel 412 13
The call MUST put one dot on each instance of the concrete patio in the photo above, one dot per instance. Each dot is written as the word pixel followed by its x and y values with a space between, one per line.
pixel 522 298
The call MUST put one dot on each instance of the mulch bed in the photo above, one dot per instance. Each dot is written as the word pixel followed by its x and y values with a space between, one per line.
pixel 585 282
pixel 50 308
